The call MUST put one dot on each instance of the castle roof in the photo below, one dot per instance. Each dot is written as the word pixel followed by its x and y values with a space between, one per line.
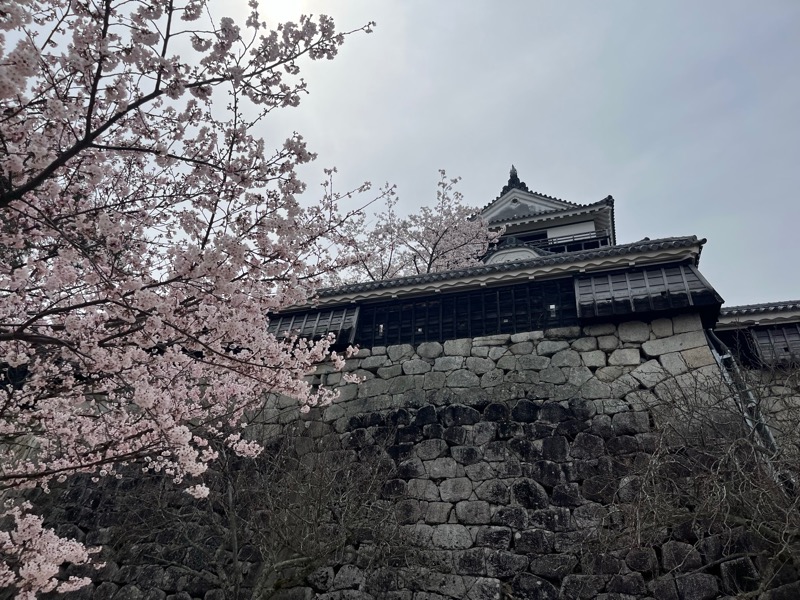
pixel 646 251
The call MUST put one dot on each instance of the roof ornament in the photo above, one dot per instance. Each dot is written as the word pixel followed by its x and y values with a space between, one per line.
pixel 514 183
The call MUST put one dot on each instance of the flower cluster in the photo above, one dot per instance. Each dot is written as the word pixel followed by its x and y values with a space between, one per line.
pixel 146 234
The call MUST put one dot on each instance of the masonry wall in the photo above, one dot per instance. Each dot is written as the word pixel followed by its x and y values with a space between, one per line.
pixel 513 455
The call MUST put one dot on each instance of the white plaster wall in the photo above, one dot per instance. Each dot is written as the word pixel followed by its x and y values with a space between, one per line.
pixel 584 227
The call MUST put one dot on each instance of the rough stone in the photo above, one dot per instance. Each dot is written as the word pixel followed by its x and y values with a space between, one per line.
pixel 532 362
pixel 624 356
pixel 679 556
pixel 480 366
pixel 594 358
pixel 460 347
pixel 475 512
pixel 631 422
pixel 633 331
pixel 649 374
pixel 698 357
pixel 676 343
pixel 494 491
pixel 416 366
pixel 607 343
pixel 448 363
pixel 463 378
pixel 442 468
pixel 673 363
pixel 530 587
pixel 661 327
pixel 430 350
pixel 451 536
pixel 550 347
pixel 566 358
pixel 400 352
pixel 697 586
pixel 684 323
pixel 492 378
pixel 455 490
pixel 521 348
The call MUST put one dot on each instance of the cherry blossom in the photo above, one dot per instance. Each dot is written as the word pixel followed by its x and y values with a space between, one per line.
pixel 146 233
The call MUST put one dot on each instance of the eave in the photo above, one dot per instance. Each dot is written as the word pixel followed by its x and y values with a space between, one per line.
pixel 640 253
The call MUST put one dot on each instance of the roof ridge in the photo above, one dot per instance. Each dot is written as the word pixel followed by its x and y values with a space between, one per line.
pixel 762 306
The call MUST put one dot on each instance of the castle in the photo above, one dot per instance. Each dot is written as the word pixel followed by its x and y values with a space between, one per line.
pixel 526 405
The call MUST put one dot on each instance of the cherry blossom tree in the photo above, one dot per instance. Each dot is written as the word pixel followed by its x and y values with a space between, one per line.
pixel 146 232
pixel 442 237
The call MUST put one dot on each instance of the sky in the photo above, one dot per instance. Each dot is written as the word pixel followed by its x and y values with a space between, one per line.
pixel 688 113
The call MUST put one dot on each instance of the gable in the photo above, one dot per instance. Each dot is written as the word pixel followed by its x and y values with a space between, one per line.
pixel 519 204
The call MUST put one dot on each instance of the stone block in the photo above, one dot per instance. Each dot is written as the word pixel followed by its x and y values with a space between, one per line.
pixel 438 512
pixel 460 347
pixel 521 348
pixel 532 362
pixel 739 575
pixel 594 389
pixel 608 374
pixel 553 566
pixel 479 351
pixel 673 363
pixel 462 378
pixel 562 333
pixel 607 343
pixel 632 422
pixel 443 468
pixel 481 471
pixel 473 512
pixel 466 455
pixel 531 587
pixel 552 375
pixel 565 358
pixel 493 490
pixel 480 366
pixel 470 562
pixel 434 380
pixel 505 564
pixel 661 328
pixel 633 331
pixel 448 363
pixel 431 449
pixel 507 363
pixel 416 366
pixel 587 446
pixel 594 358
pixel 348 577
pixel 600 329
pixel 400 352
pixel 528 494
pixel 630 584
pixel 492 536
pixel 451 537
pixel 698 357
pixel 455 490
pixel 458 414
pixel 385 372
pixel 684 323
pixel 515 517
pixel 497 352
pixel 679 556
pixel 625 356
pixel 550 347
pixel 422 489
pixel 649 374
pixel 697 586
pixel 430 350
pixel 676 343
pixel 373 362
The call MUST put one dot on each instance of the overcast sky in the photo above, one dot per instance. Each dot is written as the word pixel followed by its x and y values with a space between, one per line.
pixel 687 112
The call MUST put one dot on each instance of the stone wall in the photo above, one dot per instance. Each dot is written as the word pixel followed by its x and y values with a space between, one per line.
pixel 513 458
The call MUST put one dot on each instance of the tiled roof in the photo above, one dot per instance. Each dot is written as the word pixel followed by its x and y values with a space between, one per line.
pixel 645 245
pixel 752 309
pixel 554 212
